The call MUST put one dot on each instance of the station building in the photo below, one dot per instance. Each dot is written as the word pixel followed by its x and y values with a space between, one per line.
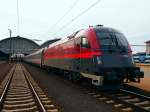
pixel 147 47
pixel 17 45
pixel 20 46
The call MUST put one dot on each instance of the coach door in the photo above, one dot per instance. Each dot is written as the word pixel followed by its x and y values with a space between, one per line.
pixel 82 48
pixel 77 64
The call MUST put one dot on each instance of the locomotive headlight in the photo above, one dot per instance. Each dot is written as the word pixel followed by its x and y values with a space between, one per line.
pixel 99 60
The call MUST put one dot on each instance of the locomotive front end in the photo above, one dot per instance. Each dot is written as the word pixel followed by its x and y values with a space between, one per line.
pixel 116 64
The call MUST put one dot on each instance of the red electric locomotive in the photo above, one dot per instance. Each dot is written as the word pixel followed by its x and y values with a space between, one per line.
pixel 97 53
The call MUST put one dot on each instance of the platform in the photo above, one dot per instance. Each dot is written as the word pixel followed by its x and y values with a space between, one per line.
pixel 145 82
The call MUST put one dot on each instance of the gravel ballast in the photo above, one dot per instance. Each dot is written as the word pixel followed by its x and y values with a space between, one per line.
pixel 67 94
pixel 4 69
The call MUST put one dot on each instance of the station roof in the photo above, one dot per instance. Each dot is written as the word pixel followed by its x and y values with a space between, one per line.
pixel 47 43
pixel 18 45
pixel 147 41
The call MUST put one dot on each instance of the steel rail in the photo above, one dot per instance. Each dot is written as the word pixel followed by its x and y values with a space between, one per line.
pixel 145 97
pixel 125 104
pixel 136 108
pixel 6 87
pixel 42 108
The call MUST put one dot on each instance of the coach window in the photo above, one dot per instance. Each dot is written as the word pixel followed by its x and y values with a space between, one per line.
pixel 84 42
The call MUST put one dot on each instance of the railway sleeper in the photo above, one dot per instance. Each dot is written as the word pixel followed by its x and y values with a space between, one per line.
pixel 19 98
pixel 16 93
pixel 127 109
pixel 147 108
pixel 19 95
pixel 27 109
pixel 133 100
pixel 19 102
pixel 30 104
pixel 142 103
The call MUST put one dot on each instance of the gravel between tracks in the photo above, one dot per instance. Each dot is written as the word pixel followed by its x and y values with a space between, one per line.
pixel 4 69
pixel 70 96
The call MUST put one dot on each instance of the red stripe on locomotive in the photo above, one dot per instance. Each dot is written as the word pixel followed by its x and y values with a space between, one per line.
pixel 70 50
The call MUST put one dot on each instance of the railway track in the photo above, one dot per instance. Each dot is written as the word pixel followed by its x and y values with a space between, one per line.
pixel 124 100
pixel 137 101
pixel 20 93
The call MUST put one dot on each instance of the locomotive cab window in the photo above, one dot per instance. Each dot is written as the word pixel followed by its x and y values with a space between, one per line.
pixel 84 42
pixel 112 40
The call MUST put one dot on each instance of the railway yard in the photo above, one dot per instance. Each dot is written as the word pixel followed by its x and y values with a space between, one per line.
pixel 74 56
pixel 24 87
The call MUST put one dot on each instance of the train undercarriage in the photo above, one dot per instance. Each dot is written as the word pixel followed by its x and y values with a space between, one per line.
pixel 110 79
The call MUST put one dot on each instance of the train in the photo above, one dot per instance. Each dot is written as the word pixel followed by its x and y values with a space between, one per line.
pixel 141 57
pixel 100 54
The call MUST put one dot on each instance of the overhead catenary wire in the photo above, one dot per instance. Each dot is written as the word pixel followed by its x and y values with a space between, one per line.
pixel 65 14
pixel 18 18
pixel 138 45
pixel 76 17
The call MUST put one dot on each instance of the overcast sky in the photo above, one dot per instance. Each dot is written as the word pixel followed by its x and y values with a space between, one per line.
pixel 38 18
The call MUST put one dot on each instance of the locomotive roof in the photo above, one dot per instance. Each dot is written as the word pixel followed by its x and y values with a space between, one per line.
pixel 99 28
pixel 68 38
pixel 59 42
pixel 105 29
pixel 36 52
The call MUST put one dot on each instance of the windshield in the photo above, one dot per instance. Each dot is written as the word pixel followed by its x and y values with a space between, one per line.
pixel 112 41
pixel 122 41
pixel 106 41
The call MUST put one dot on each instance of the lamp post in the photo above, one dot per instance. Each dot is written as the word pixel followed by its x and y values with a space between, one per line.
pixel 10 32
